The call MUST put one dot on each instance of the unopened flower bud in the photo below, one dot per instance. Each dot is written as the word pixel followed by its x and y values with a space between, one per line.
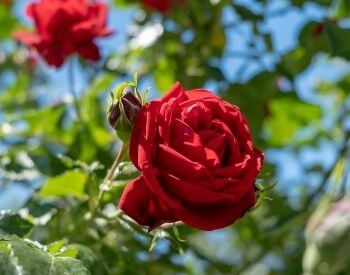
pixel 113 115
pixel 122 115
pixel 131 106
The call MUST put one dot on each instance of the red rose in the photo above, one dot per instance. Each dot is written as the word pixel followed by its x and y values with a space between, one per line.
pixel 161 5
pixel 197 161
pixel 64 27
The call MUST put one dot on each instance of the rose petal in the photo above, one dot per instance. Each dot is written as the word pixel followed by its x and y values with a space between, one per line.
pixel 233 151
pixel 189 144
pixel 196 191
pixel 214 141
pixel 234 170
pixel 26 37
pixel 143 135
pixel 138 202
pixel 176 91
pixel 89 51
pixel 176 164
pixel 217 216
pixel 198 153
pixel 160 5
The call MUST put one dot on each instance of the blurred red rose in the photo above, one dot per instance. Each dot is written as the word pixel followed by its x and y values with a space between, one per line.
pixel 161 5
pixel 197 161
pixel 64 27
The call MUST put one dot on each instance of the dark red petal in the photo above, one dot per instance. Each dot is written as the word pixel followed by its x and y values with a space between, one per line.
pixel 233 151
pixel 234 170
pixel 138 202
pixel 89 51
pixel 151 176
pixel 217 216
pixel 176 91
pixel 53 54
pixel 176 164
pixel 54 59
pixel 113 115
pixel 131 106
pixel 200 94
pixel 160 5
pixel 197 115
pixel 83 31
pixel 197 192
pixel 98 12
pixel 143 135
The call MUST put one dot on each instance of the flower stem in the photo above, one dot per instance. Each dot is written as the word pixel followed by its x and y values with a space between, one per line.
pixel 109 177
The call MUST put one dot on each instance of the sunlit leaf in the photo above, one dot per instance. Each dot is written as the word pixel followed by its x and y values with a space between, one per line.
pixel 288 116
pixel 163 77
pixel 71 183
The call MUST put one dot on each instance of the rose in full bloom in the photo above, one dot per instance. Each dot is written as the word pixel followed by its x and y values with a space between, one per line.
pixel 161 5
pixel 197 161
pixel 64 27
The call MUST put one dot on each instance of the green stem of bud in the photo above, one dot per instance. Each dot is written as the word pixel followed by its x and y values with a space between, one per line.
pixel 110 174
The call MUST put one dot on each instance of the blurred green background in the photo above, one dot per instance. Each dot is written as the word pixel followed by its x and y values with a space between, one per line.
pixel 285 63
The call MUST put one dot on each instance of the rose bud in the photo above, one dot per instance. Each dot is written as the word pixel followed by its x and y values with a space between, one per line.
pixel 123 121
pixel 113 115
pixel 131 106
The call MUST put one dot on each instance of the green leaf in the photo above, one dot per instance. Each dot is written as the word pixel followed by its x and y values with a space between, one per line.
pixel 310 43
pixel 287 116
pixel 22 257
pixel 70 183
pixel 247 14
pixel 12 223
pixel 217 38
pixel 44 122
pixel 90 103
pixel 93 135
pixel 252 98
pixel 55 247
pixel 84 254
pixel 338 40
pixel 68 252
pixel 7 22
pixel 177 234
pixel 122 3
pixel 342 9
pixel 17 96
pixel 163 77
